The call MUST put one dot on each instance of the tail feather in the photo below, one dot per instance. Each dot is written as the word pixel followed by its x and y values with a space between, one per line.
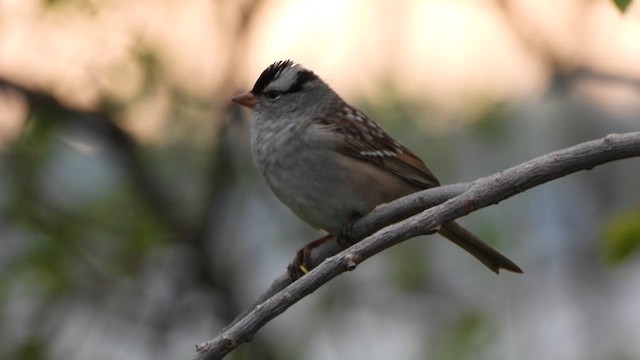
pixel 482 251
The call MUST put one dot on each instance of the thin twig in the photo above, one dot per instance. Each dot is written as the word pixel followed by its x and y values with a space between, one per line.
pixel 383 215
pixel 465 199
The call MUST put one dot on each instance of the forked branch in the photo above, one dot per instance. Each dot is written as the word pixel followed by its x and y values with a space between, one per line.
pixel 408 218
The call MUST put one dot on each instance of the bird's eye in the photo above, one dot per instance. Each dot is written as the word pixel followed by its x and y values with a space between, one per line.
pixel 272 94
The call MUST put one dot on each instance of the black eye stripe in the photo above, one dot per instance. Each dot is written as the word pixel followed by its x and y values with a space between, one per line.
pixel 303 77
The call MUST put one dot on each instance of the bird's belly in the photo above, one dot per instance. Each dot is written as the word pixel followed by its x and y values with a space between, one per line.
pixel 316 188
pixel 325 189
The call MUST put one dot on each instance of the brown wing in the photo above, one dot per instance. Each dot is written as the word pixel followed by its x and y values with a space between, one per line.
pixel 366 140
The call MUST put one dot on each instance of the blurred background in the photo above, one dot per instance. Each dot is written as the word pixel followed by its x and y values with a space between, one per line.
pixel 133 224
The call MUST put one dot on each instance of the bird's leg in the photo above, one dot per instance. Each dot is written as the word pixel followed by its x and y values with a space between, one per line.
pixel 302 263
pixel 346 238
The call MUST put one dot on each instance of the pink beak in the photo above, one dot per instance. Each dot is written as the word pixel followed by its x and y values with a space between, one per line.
pixel 245 99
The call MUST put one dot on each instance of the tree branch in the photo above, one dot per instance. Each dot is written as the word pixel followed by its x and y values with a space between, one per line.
pixel 450 202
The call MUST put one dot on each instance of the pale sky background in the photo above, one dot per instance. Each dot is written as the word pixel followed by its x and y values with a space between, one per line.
pixel 453 54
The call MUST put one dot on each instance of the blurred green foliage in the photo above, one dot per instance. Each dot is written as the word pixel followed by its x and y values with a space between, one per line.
pixel 466 338
pixel 622 4
pixel 622 237
pixel 34 349
pixel 409 270
pixel 59 236
pixel 492 123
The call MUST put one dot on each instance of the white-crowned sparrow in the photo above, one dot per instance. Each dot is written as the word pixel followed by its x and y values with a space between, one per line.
pixel 329 162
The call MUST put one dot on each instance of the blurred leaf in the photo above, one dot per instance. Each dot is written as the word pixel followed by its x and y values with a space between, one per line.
pixel 409 269
pixel 622 237
pixel 622 4
pixel 467 337
pixel 119 225
pixel 51 2
pixel 89 7
pixel 492 122
pixel 33 349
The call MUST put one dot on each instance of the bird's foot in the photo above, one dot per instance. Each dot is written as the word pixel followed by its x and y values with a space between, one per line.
pixel 302 263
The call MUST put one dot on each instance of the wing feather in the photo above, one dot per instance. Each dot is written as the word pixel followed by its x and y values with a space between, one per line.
pixel 366 140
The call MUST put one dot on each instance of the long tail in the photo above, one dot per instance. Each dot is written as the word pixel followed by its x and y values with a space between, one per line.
pixel 478 248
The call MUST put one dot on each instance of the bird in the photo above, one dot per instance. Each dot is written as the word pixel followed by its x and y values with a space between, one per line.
pixel 330 163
